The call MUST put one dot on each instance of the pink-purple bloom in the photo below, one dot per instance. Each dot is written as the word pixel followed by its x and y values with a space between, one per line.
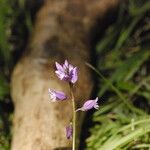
pixel 66 72
pixel 89 104
pixel 69 131
pixel 56 95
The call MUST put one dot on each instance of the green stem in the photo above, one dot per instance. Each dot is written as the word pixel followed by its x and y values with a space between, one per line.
pixel 74 118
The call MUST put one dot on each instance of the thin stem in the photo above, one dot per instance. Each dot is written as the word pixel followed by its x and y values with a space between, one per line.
pixel 74 118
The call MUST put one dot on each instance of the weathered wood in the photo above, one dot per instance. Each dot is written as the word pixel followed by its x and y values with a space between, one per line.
pixel 61 32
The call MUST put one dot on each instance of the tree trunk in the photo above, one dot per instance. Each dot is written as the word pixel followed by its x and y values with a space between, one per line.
pixel 61 31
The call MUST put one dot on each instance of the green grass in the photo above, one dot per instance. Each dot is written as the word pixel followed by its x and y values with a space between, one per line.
pixel 8 18
pixel 123 120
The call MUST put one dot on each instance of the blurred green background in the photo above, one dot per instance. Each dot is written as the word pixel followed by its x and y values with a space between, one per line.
pixel 15 26
pixel 123 71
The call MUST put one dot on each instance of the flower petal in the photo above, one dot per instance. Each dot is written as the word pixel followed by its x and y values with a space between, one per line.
pixel 60 74
pixel 96 100
pixel 96 106
pixel 59 67
pixel 60 95
pixel 52 95
pixel 66 64
pixel 56 95
pixel 74 75
pixel 88 105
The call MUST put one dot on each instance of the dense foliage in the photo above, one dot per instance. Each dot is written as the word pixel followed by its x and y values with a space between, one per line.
pixel 123 121
pixel 10 33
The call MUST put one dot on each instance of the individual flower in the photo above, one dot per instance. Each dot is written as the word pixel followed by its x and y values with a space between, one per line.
pixel 69 131
pixel 56 95
pixel 89 104
pixel 66 72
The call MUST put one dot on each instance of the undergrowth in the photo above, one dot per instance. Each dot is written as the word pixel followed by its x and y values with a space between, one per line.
pixel 14 19
pixel 123 121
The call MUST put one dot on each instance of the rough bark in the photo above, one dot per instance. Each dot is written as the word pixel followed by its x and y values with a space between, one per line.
pixel 61 32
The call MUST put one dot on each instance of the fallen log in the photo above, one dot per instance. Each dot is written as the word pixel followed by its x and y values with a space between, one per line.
pixel 61 31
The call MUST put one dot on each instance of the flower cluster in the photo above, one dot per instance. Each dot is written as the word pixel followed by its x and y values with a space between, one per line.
pixel 69 73
pixel 66 72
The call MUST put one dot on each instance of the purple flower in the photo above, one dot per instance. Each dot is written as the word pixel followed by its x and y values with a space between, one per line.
pixel 69 131
pixel 56 95
pixel 66 72
pixel 89 104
